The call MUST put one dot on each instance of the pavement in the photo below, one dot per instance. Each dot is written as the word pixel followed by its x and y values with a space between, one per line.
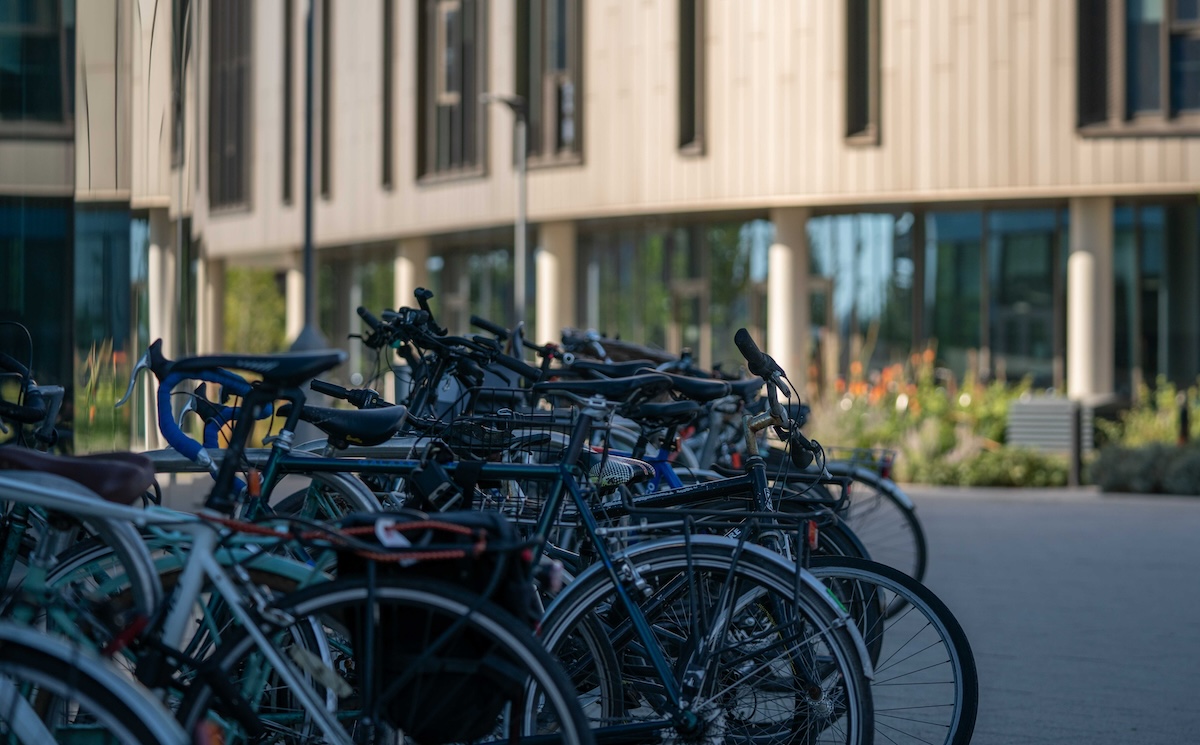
pixel 1082 608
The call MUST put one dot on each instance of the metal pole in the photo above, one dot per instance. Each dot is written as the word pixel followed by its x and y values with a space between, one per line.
pixel 310 336
pixel 519 248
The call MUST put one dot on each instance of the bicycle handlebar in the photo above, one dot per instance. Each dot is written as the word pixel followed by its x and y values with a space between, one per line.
pixel 495 329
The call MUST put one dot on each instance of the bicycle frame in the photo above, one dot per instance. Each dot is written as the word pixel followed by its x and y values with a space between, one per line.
pixel 202 564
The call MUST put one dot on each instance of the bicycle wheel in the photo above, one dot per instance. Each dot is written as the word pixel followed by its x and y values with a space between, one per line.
pixel 885 520
pixel 926 687
pixel 458 653
pixel 53 691
pixel 759 651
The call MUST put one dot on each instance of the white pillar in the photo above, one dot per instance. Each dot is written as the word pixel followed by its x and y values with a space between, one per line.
pixel 294 297
pixel 788 334
pixel 1090 312
pixel 163 310
pixel 556 262
pixel 410 270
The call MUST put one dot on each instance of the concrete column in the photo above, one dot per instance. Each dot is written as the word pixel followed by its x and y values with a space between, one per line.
pixel 164 309
pixel 161 280
pixel 555 263
pixel 1090 313
pixel 294 296
pixel 409 270
pixel 788 324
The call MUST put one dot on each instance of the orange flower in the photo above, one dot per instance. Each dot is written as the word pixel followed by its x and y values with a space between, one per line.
pixel 928 356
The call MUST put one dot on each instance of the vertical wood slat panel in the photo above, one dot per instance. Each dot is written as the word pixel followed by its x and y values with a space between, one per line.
pixel 923 39
pixel 982 93
pixel 943 77
pixel 1063 138
pixel 1022 87
pixel 964 70
pixel 1042 18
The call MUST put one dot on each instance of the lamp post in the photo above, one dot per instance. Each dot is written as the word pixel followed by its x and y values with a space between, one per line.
pixel 310 337
pixel 516 104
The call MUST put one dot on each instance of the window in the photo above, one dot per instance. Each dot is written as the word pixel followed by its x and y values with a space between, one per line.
pixel 451 58
pixel 326 98
pixel 389 97
pixel 691 76
pixel 181 38
pixel 862 71
pixel 289 101
pixel 229 104
pixel 37 64
pixel 549 74
pixel 1139 66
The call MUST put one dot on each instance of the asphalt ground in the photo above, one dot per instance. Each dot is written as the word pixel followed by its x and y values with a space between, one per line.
pixel 1083 610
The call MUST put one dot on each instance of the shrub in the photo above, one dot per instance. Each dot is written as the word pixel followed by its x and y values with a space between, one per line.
pixel 1150 469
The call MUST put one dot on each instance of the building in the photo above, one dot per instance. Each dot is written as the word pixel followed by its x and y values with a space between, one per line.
pixel 1011 183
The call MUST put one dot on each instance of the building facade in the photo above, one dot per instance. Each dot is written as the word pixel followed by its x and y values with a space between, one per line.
pixel 1013 185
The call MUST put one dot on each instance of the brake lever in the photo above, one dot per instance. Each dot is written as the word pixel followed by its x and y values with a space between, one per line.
pixel 142 364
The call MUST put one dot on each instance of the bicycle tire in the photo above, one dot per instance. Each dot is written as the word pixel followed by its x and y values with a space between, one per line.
pixel 560 712
pixel 74 695
pixel 787 667
pixel 885 520
pixel 926 686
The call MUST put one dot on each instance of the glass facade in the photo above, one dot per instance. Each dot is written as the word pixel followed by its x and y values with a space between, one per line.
pixel 36 284
pixel 110 322
pixel 1156 272
pixel 865 263
pixel 677 286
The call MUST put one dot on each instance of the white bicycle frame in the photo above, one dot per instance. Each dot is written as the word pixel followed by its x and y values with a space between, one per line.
pixel 201 565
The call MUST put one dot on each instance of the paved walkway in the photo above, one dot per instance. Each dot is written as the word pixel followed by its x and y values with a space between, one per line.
pixel 1083 610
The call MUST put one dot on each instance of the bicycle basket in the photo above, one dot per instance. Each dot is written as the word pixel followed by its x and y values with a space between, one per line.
pixel 428 660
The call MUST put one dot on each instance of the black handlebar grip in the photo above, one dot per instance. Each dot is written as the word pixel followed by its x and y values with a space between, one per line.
pixel 529 372
pixel 498 331
pixel 21 414
pixel 368 318
pixel 756 361
pixel 329 389
pixel 12 365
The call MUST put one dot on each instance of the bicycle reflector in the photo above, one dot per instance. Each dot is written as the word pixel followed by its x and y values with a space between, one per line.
pixel 812 534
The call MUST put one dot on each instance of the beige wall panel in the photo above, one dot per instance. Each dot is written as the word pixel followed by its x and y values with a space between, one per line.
pixel 943 111
pixel 151 51
pixel 36 167
pixel 962 123
pixel 96 121
pixel 977 103
pixel 1150 167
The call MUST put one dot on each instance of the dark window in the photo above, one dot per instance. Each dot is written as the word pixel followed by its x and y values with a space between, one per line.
pixel 289 102
pixel 1092 72
pixel 451 56
pixel 181 25
pixel 37 62
pixel 326 98
pixel 691 75
pixel 229 103
pixel 388 99
pixel 862 70
pixel 549 75
pixel 1139 65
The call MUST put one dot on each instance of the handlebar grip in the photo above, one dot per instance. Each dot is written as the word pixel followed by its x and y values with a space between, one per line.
pixel 529 372
pixel 10 364
pixel 329 389
pixel 756 361
pixel 498 331
pixel 21 414
pixel 368 318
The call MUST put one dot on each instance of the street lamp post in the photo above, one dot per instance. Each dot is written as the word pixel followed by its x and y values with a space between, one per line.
pixel 516 104
pixel 310 337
